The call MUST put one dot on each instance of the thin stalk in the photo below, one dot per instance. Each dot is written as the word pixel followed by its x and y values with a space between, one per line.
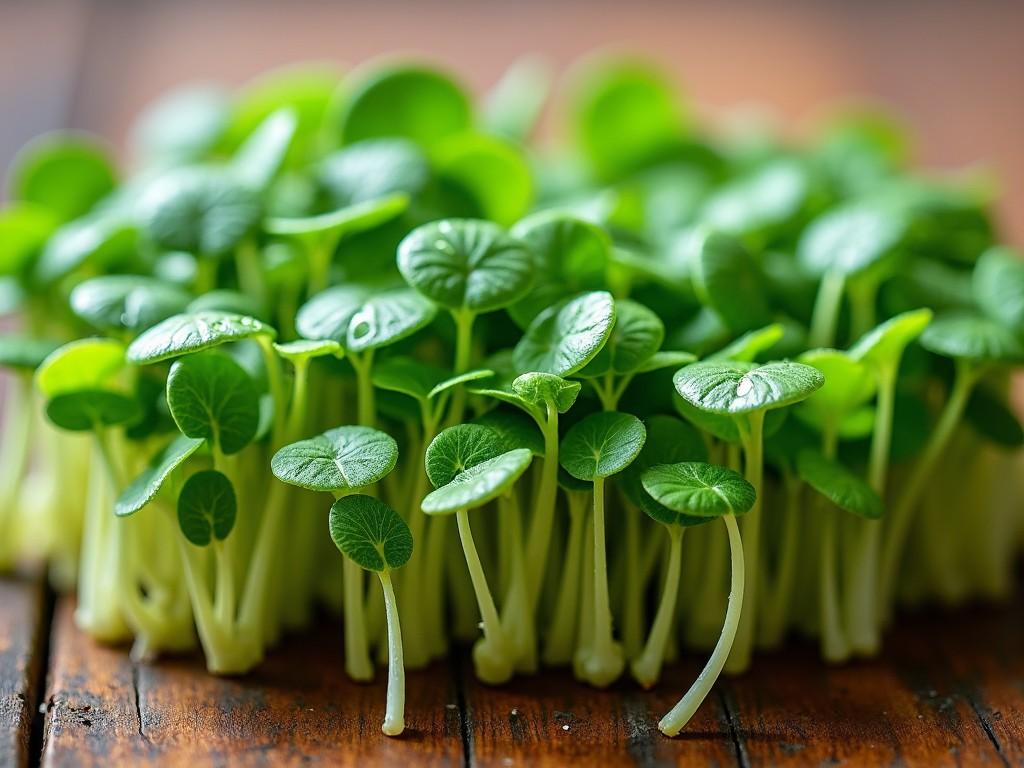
pixel 464 319
pixel 776 616
pixel 559 644
pixel 250 271
pixel 833 639
pixel 605 661
pixel 394 714
pixel 677 718
pixel 366 407
pixel 276 380
pixel 517 618
pixel 539 536
pixel 827 304
pixel 647 667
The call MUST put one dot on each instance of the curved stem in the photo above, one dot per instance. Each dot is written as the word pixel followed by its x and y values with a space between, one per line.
pixel 491 659
pixel 680 714
pixel 647 668
pixel 394 713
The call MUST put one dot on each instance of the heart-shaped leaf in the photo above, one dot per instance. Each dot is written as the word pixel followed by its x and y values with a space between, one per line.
pixel 370 533
pixel 87 409
pixel 126 302
pixel 669 440
pixel 601 445
pixel 476 485
pixel 564 338
pixel 340 459
pixel 727 279
pixel 569 255
pixel 546 388
pixel 67 174
pixel 213 398
pixel 733 387
pixel 91 363
pixel 839 485
pixel 193 332
pixel 200 210
pixel 884 344
pixel 635 338
pixel 23 353
pixel 851 239
pixel 514 430
pixel 372 169
pixel 466 264
pixel 144 488
pixel 258 161
pixel 998 286
pixel 364 316
pixel 972 337
pixel 458 448
pixel 697 489
pixel 406 101
pixel 207 508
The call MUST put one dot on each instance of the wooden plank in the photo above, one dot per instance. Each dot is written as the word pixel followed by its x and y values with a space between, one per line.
pixel 552 720
pixel 22 637
pixel 297 707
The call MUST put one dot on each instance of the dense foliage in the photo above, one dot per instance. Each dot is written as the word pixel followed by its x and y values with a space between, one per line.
pixel 324 315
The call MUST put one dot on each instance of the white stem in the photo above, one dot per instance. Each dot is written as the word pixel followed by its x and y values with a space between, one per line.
pixel 394 715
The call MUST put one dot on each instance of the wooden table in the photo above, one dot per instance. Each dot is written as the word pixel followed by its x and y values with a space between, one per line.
pixel 950 687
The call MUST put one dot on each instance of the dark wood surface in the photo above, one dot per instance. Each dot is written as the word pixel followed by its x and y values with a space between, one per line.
pixel 23 625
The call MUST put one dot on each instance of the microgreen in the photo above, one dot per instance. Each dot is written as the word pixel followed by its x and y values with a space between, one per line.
pixel 565 337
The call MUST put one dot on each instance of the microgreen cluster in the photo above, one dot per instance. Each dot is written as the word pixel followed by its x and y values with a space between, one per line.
pixel 320 317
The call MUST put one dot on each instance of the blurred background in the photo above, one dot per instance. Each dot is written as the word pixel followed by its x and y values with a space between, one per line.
pixel 954 70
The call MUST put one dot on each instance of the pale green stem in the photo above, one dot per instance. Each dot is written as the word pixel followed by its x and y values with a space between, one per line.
pixel 605 660
pixel 276 380
pixel 394 714
pixel 677 718
pixel 833 640
pixel 539 535
pixel 647 667
pixel 250 271
pixel 224 597
pixel 559 645
pixel 464 319
pixel 826 310
pixel 776 617
pixel 365 397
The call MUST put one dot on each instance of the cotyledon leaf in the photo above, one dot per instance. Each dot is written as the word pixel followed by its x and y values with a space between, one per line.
pixel 338 460
pixel 144 488
pixel 543 388
pixel 130 302
pixel 699 489
pixel 732 387
pixel 635 338
pixel 601 445
pixel 476 485
pixel 458 448
pixel 564 338
pixel 207 507
pixel 87 409
pixel 192 332
pixel 972 337
pixel 370 533
pixel 838 484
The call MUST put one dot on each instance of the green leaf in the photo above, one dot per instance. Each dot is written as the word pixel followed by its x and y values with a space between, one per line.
pixel 546 388
pixel 993 418
pixel 227 300
pixel 514 104
pixel 24 353
pixel 340 459
pixel 884 344
pixel 972 337
pixel 262 156
pixel 569 255
pixel 839 485
pixel 405 101
pixel 727 279
pixel 349 220
pixel 565 337
pixel 514 430
pixel 306 349
pixel 601 445
pixel 100 240
pixel 408 376
pixel 478 484
pixel 733 387
pixel 212 397
pixel 998 286
pixel 751 344
pixel 64 173
pixel 850 239
pixel 364 316
pixel 771 197
pixel 460 378
pixel 669 358
pixel 126 302
pixel 87 409
pixel 669 440
pixel 193 332
pixel 24 230
pixel 144 488
pixel 458 448
pixel 370 533
pixel 636 336
pixel 204 211
pixel 91 363
pixel 207 508
pixel 182 126
pixel 466 264
pixel 491 170
pixel 698 490
pixel 624 114
pixel 848 384
pixel 373 169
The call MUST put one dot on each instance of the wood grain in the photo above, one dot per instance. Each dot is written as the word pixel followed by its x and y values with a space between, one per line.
pixel 297 707
pixel 22 638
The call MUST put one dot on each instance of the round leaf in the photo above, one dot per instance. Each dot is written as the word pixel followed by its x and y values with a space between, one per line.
pixel 207 508
pixel 340 459
pixel 66 174
pixel 370 170
pixel 602 445
pixel 130 302
pixel 458 448
pixel 144 488
pixel 732 387
pixel 546 388
pixel 186 333
pixel 727 279
pixel 698 489
pixel 769 198
pixel 476 485
pixel 370 533
pixel 491 170
pixel 87 409
pixel 564 338
pixel 635 338
pixel 100 239
pixel 839 485
pixel 466 264
pixel 514 430
pixel 24 229
pixel 91 363
pixel 998 283
pixel 972 337
pixel 850 239
pixel 364 316
pixel 182 126
pixel 212 397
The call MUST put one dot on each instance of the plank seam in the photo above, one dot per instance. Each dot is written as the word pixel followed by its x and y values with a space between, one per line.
pixel 732 719
pixel 138 703
pixel 41 673
pixel 465 728
pixel 987 727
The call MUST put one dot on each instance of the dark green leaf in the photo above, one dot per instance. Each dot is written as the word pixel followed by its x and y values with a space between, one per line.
pixel 635 338
pixel 850 239
pixel 478 484
pixel 972 337
pixel 144 488
pixel 340 459
pixel 838 484
pixel 370 170
pixel 564 338
pixel 87 409
pixel 601 445
pixel 732 387
pixel 491 170
pixel 213 398
pixel 193 332
pixel 514 430
pixel 699 490
pixel 727 279
pixel 126 302
pixel 207 508
pixel 370 533
pixel 458 448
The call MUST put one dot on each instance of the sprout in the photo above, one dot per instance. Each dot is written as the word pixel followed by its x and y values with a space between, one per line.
pixel 685 491
pixel 372 534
